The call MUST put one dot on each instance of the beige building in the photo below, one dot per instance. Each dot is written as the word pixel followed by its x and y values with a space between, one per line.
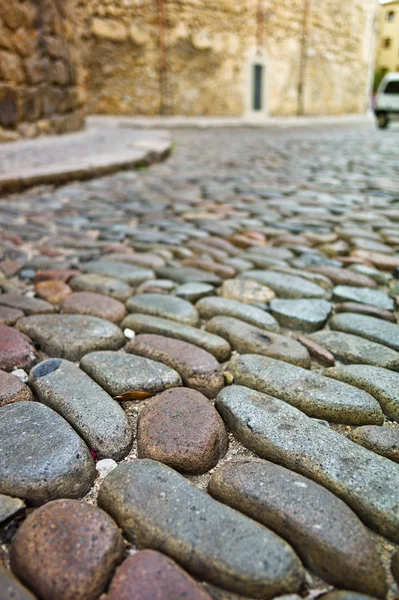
pixel 239 58
pixel 388 37
pixel 227 57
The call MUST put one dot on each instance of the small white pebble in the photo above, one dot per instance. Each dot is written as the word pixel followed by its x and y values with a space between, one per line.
pixel 20 373
pixel 30 294
pixel 128 333
pixel 105 466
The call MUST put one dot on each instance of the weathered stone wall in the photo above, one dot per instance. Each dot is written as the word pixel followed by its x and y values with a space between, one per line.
pixel 210 49
pixel 339 53
pixel 41 78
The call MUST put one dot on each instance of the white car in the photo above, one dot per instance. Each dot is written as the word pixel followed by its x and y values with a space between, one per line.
pixel 386 105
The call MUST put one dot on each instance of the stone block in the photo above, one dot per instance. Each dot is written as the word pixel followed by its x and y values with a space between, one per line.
pixel 31 104
pixel 11 67
pixel 36 69
pixel 71 99
pixel 59 73
pixel 7 135
pixel 13 14
pixel 139 35
pixel 44 127
pixel 109 29
pixel 52 99
pixel 24 41
pixel 9 107
pixel 5 37
pixel 27 130
pixel 55 46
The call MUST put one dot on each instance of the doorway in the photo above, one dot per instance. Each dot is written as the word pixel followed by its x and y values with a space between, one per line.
pixel 256 85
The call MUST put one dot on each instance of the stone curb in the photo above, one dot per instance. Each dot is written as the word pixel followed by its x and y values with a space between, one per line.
pixel 143 153
pixel 176 122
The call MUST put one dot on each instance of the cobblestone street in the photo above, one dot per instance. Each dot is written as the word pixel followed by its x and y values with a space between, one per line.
pixel 206 349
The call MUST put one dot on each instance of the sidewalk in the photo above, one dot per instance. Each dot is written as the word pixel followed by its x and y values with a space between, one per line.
pixel 96 151
pixel 224 122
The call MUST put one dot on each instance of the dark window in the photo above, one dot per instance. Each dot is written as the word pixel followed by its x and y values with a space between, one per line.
pixel 392 88
pixel 258 87
pixel 391 15
pixel 386 42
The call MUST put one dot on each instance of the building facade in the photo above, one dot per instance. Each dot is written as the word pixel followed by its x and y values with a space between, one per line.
pixel 388 38
pixel 41 77
pixel 249 58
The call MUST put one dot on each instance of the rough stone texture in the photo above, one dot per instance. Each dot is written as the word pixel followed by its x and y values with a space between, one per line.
pixel 41 77
pixel 120 373
pixel 246 338
pixel 98 419
pixel 343 595
pixel 295 189
pixel 41 456
pixel 141 259
pixel 130 273
pixel 187 275
pixel 212 307
pixel 53 290
pixel 183 430
pixel 16 350
pixel 352 348
pixel 194 291
pixel 55 275
pixel 150 575
pixel 197 368
pixel 326 534
pixel 30 306
pixel 9 507
pixel 160 305
pixel 8 316
pixel 12 389
pixel 221 46
pixel 102 284
pixel 67 542
pixel 370 296
pixel 317 352
pixel 382 440
pixel 368 327
pixel 71 336
pixel 11 588
pixel 160 509
pixel 383 384
pixel 97 305
pixel 344 276
pixel 307 314
pixel 365 309
pixel 395 566
pixel 308 391
pixel 286 286
pixel 214 344
pixel 247 291
pixel 281 433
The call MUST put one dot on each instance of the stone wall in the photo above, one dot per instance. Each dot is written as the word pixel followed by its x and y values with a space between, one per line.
pixel 41 78
pixel 196 57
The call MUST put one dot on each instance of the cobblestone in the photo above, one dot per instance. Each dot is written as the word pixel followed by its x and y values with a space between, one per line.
pixel 279 242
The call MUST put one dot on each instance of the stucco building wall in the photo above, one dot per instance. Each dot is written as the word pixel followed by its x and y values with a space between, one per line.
pixel 388 55
pixel 41 78
pixel 197 57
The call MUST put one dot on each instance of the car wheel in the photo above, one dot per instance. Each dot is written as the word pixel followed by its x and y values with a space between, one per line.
pixel 382 120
